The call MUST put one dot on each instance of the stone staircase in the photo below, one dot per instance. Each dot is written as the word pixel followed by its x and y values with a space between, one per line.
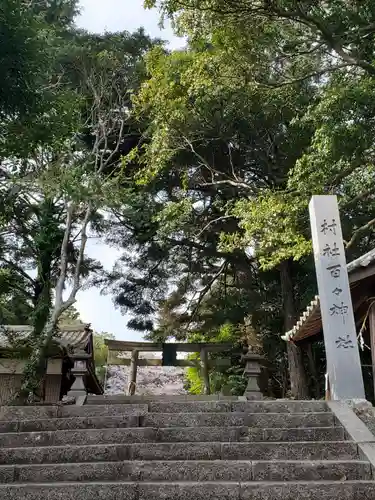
pixel 179 448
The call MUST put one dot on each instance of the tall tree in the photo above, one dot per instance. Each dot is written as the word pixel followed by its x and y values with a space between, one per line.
pixel 328 47
pixel 215 139
pixel 62 171
pixel 22 55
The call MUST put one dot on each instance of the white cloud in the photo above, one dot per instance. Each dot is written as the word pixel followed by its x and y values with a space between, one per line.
pixel 119 15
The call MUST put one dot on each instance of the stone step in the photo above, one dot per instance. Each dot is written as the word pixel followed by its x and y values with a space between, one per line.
pixel 191 407
pixel 168 434
pixel 239 406
pixel 11 413
pixel 138 399
pixel 16 413
pixel 330 450
pixel 196 470
pixel 55 424
pixel 280 406
pixel 102 410
pixel 313 490
pixel 261 420
pixel 210 419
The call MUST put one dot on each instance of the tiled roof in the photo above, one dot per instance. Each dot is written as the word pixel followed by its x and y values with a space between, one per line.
pixel 311 317
pixel 363 261
pixel 76 336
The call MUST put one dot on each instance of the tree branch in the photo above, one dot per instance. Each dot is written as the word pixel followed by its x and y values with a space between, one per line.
pixel 324 71
pixel 359 231
pixel 213 222
pixel 63 263
pixel 359 197
pixel 18 270
pixel 205 290
pixel 228 182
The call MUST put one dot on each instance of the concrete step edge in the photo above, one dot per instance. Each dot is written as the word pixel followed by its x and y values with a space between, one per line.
pixel 91 421
pixel 167 483
pixel 202 462
pixel 162 443
pixel 180 451
pixel 148 413
pixel 187 471
pixel 167 414
pixel 215 427
pixel 132 435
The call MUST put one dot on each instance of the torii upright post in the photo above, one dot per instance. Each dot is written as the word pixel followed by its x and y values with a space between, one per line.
pixel 205 372
pixel 340 338
pixel 133 372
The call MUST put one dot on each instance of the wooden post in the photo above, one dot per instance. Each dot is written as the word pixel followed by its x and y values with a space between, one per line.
pixel 371 320
pixel 133 372
pixel 205 374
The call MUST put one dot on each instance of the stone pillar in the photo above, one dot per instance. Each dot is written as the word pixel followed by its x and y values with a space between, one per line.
pixel 78 388
pixel 252 371
pixel 205 372
pixel 340 337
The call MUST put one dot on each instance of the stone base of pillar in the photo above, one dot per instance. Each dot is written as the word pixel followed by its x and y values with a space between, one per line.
pixel 253 396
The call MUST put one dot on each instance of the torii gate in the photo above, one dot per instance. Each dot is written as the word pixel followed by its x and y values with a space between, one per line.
pixel 169 351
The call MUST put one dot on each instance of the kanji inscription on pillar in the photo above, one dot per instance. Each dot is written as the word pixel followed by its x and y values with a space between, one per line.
pixel 342 353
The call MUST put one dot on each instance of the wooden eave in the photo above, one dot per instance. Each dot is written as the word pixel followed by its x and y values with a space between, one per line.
pixel 310 322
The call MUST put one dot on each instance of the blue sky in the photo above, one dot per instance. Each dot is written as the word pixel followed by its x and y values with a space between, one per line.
pixel 99 16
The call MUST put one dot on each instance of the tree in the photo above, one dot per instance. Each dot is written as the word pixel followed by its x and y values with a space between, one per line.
pixel 101 353
pixel 81 188
pixel 22 54
pixel 215 139
pixel 303 42
pixel 70 317
pixel 328 48
pixel 58 180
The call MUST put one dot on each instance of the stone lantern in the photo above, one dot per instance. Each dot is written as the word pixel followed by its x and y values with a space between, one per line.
pixel 252 371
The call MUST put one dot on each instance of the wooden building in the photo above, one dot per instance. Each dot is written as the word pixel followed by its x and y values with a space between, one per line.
pixel 309 328
pixel 70 367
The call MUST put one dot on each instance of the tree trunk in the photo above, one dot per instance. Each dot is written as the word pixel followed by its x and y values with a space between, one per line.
pixel 48 244
pixel 36 366
pixel 298 381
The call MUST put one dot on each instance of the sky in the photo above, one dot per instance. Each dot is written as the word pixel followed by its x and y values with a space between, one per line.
pixel 99 16
pixel 120 15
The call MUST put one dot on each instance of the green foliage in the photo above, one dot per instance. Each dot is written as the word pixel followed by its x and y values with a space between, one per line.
pixel 101 353
pixel 230 378
pixel 70 317
pixel 193 380
pixel 22 56
pixel 279 46
pixel 211 155
pixel 270 103
pixel 60 153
